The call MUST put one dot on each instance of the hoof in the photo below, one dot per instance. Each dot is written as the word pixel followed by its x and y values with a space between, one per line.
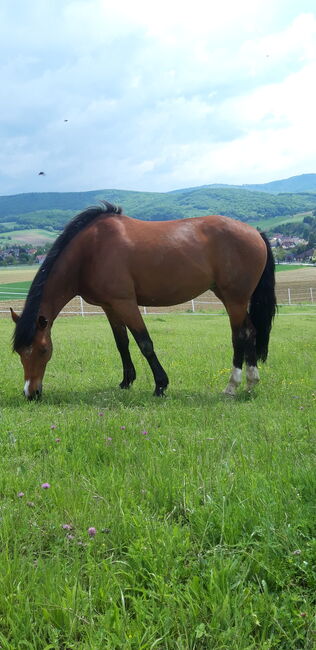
pixel 127 380
pixel 230 391
pixel 251 385
pixel 125 385
pixel 253 378
pixel 159 391
pixel 234 382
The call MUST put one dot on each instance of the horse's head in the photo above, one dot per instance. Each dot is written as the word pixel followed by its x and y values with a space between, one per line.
pixel 35 357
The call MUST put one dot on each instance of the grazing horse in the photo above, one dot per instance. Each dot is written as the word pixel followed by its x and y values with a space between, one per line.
pixel 118 263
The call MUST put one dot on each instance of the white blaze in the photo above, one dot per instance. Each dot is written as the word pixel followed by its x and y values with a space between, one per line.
pixel 26 388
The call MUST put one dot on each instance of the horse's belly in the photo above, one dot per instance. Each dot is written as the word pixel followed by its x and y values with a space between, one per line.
pixel 172 294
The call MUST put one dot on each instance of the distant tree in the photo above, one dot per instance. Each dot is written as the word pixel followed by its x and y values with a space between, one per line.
pixel 312 239
pixel 10 259
pixel 24 258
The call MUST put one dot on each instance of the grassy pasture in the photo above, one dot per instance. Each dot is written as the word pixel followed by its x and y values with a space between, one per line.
pixel 14 290
pixel 288 267
pixel 204 507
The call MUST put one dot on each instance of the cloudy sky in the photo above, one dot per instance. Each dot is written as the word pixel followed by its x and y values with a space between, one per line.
pixel 155 96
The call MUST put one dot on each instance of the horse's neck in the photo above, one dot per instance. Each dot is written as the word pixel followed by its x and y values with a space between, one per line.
pixel 60 288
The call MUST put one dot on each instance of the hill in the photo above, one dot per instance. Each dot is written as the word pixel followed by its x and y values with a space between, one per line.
pixel 255 204
pixel 294 185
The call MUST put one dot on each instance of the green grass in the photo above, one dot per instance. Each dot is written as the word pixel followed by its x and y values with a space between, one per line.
pixel 13 290
pixel 289 267
pixel 205 523
pixel 268 224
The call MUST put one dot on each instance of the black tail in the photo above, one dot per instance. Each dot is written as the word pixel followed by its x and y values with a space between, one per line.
pixel 263 304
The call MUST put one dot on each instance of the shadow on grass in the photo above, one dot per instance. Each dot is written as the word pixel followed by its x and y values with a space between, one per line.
pixel 113 398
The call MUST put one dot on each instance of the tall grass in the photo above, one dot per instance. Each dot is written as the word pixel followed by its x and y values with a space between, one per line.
pixel 201 507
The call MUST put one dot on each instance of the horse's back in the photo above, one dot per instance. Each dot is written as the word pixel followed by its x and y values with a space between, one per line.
pixel 165 263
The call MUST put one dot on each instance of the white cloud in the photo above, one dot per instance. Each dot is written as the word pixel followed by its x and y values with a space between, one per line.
pixel 156 96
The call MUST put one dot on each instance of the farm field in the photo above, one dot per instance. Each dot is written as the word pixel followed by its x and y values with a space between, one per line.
pixel 17 273
pixel 303 275
pixel 36 236
pixel 23 273
pixel 133 522
pixel 14 288
pixel 301 280
pixel 269 224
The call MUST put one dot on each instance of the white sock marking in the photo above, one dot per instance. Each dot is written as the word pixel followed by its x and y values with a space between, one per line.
pixel 234 382
pixel 252 375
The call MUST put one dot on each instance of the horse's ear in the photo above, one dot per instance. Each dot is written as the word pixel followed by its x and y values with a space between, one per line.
pixel 42 322
pixel 15 317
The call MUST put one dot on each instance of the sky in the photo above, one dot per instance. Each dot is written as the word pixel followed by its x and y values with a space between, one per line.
pixel 155 96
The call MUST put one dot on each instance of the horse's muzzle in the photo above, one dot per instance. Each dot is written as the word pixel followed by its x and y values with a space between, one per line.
pixel 36 396
pixel 32 394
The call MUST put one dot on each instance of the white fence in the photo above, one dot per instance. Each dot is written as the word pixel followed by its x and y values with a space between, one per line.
pixel 295 295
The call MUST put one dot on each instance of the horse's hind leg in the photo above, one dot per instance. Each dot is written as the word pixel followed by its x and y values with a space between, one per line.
pixel 122 344
pixel 238 358
pixel 252 374
pixel 244 345
pixel 129 314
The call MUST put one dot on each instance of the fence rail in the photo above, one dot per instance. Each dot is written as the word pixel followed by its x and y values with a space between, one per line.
pixel 295 295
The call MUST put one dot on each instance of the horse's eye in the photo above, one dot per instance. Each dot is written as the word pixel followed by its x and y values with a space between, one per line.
pixel 43 349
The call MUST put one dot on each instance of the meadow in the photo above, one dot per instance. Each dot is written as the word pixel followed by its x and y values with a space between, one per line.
pixel 131 522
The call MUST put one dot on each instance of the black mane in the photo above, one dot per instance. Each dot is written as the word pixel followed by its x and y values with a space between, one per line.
pixel 26 326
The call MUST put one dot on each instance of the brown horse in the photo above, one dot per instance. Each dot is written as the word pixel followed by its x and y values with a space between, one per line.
pixel 118 263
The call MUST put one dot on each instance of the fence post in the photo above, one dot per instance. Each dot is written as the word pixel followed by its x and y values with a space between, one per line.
pixel 81 307
pixel 289 296
pixel 311 292
pixel 145 310
pixel 193 307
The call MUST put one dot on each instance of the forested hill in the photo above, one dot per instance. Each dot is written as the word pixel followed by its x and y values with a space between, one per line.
pixel 53 210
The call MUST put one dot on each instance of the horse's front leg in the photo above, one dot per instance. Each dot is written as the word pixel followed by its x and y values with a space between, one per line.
pixel 128 312
pixel 146 346
pixel 122 344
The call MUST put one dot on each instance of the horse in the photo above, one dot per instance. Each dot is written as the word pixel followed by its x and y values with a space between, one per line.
pixel 118 262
